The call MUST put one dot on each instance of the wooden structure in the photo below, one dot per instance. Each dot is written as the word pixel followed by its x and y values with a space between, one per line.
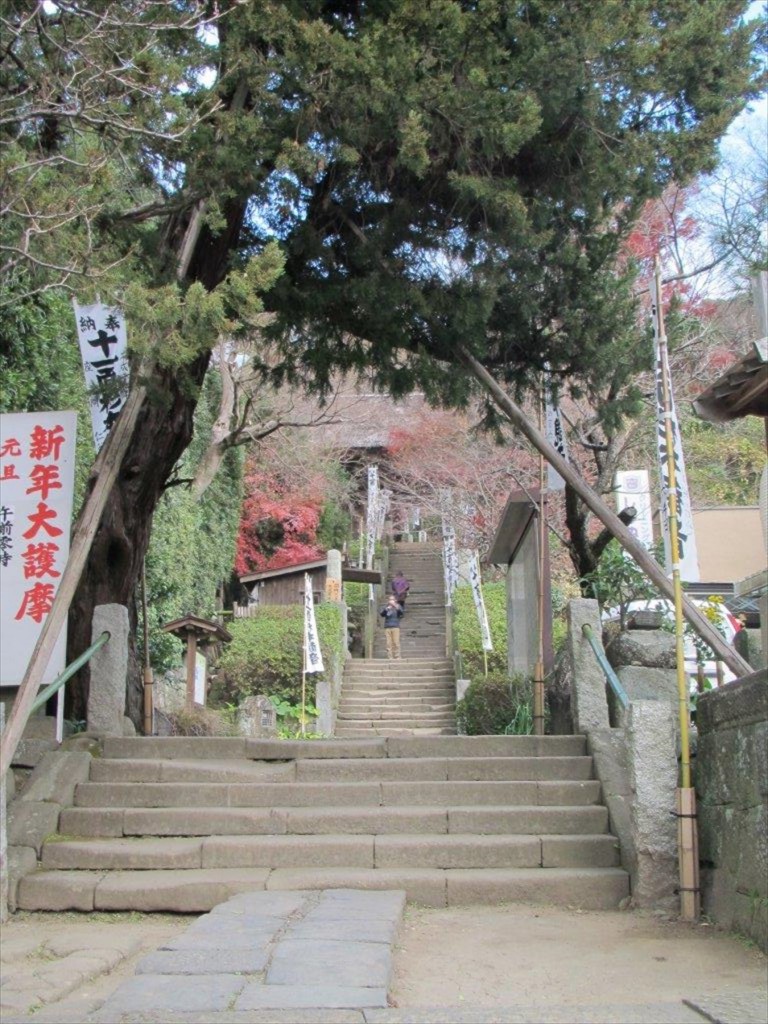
pixel 286 585
pixel 196 632
pixel 516 545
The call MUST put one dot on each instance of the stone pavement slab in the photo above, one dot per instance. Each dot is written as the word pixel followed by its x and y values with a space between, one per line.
pixel 732 1008
pixel 260 951
pixel 598 1013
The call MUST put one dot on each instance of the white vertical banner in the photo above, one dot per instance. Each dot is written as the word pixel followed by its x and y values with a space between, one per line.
pixel 450 562
pixel 477 593
pixel 555 434
pixel 313 658
pixel 633 490
pixel 37 472
pixel 372 515
pixel 104 351
pixel 686 555
pixel 382 510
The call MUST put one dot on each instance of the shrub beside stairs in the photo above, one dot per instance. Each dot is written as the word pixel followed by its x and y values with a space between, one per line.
pixel 178 824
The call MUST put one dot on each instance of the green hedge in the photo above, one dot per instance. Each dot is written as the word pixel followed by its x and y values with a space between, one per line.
pixel 467 629
pixel 496 705
pixel 265 653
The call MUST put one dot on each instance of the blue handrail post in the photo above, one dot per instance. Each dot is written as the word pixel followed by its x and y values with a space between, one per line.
pixel 53 688
pixel 605 665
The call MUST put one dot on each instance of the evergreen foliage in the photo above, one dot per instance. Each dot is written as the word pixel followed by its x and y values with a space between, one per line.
pixel 495 704
pixel 265 654
pixel 467 630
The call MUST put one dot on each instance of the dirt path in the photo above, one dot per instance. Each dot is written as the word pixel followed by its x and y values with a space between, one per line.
pixel 488 956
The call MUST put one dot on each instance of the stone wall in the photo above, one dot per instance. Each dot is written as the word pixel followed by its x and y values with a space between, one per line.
pixel 732 785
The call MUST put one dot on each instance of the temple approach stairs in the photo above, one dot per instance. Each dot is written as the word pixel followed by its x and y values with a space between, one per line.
pixel 180 824
pixel 415 696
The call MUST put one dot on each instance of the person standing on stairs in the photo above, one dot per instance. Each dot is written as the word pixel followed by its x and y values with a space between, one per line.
pixel 392 612
pixel 400 587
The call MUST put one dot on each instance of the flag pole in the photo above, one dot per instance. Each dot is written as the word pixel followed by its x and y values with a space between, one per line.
pixel 685 795
pixel 304 682
pixel 538 671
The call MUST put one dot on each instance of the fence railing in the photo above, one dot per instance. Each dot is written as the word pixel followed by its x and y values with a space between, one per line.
pixel 605 665
pixel 53 688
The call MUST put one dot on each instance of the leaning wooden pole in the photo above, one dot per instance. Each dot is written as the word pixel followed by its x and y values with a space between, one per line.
pixel 538 671
pixel 687 836
pixel 105 471
pixel 607 516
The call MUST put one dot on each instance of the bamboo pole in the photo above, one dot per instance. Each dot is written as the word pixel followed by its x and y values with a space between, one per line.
pixel 685 797
pixel 105 471
pixel 594 502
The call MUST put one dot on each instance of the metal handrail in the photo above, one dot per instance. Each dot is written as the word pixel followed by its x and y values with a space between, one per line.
pixel 610 675
pixel 53 688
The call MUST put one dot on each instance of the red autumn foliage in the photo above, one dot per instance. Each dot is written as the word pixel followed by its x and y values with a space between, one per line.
pixel 278 525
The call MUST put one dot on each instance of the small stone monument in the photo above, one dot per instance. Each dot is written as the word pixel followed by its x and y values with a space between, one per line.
pixel 258 718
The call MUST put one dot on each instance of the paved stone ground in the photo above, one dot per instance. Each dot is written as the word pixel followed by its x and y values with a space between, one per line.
pixel 300 958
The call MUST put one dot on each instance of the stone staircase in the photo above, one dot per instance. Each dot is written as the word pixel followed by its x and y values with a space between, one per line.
pixel 422 627
pixel 178 824
pixel 415 696
pixel 410 697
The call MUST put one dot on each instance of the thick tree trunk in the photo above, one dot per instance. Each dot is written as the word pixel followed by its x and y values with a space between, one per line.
pixel 163 431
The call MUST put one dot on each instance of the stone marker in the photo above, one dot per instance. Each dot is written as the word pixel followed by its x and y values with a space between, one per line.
pixel 109 668
pixel 589 702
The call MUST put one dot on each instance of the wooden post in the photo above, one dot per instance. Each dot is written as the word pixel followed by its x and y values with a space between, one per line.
pixel 149 679
pixel 594 502
pixel 191 662
pixel 538 671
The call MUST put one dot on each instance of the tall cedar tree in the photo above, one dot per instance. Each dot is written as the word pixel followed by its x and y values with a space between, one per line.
pixel 439 173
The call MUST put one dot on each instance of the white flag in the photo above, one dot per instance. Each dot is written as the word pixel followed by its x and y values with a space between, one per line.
pixel 686 558
pixel 373 514
pixel 313 658
pixel 450 562
pixel 633 490
pixel 103 350
pixel 477 594
pixel 555 436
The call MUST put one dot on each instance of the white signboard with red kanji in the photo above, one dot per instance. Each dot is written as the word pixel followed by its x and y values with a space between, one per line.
pixel 37 472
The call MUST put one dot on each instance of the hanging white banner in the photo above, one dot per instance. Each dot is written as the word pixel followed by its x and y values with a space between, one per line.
pixel 104 352
pixel 313 658
pixel 372 515
pixel 687 557
pixel 477 593
pixel 37 472
pixel 450 563
pixel 633 490
pixel 555 435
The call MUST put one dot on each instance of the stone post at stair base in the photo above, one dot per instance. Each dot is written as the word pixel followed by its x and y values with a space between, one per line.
pixel 653 770
pixel 109 671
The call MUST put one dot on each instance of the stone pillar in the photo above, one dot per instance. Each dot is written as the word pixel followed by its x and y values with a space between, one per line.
pixel 333 587
pixel 588 697
pixel 652 750
pixel 3 835
pixel 109 671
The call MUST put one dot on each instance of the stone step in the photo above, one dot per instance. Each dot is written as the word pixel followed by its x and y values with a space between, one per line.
pixel 391 709
pixel 434 769
pixel 199 890
pixel 319 820
pixel 346 731
pixel 393 721
pixel 334 793
pixel 352 851
pixel 402 700
pixel 210 748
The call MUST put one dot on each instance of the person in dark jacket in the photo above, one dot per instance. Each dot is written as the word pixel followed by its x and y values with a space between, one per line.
pixel 392 612
pixel 400 587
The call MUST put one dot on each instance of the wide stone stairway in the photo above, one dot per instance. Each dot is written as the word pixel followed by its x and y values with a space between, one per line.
pixel 182 824
pixel 415 696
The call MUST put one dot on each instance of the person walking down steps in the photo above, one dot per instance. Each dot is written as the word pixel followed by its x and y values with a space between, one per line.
pixel 400 587
pixel 392 612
